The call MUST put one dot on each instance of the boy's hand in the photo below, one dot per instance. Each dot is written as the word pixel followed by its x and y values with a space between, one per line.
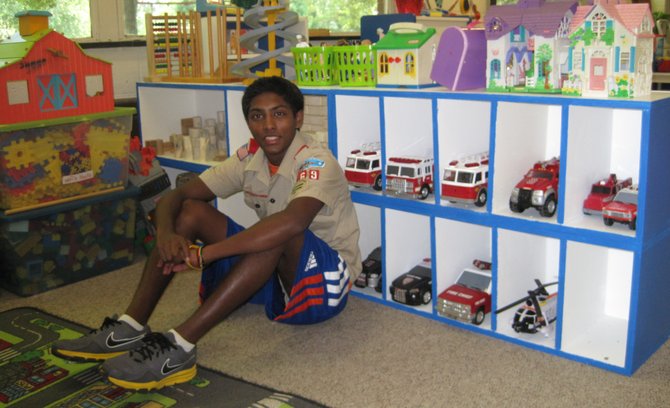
pixel 191 261
pixel 172 249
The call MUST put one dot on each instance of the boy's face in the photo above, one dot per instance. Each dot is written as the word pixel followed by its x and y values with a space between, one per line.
pixel 273 125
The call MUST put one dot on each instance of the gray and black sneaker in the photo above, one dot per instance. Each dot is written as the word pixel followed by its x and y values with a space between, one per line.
pixel 112 339
pixel 158 362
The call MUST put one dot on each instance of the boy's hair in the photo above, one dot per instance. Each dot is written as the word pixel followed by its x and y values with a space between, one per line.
pixel 277 85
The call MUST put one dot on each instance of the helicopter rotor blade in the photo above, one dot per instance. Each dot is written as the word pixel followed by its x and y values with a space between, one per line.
pixel 511 305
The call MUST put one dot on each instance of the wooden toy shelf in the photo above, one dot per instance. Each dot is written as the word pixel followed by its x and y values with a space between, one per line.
pixel 612 290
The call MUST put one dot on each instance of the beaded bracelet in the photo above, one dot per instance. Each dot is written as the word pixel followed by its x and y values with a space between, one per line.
pixel 201 261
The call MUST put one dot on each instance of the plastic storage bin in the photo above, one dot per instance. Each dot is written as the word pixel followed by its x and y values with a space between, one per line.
pixel 60 244
pixel 63 158
pixel 356 65
pixel 315 66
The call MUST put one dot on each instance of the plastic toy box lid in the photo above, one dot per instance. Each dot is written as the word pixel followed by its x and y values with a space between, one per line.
pixel 117 112
pixel 131 191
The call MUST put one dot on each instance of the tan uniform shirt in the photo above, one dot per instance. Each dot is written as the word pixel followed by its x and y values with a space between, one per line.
pixel 308 170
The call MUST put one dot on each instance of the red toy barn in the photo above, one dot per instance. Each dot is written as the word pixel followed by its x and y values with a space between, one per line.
pixel 44 75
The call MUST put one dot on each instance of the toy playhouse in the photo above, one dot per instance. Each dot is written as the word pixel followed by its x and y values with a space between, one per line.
pixel 611 50
pixel 60 135
pixel 405 56
pixel 527 45
pixel 44 75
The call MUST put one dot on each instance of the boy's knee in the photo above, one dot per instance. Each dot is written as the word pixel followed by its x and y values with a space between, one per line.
pixel 191 216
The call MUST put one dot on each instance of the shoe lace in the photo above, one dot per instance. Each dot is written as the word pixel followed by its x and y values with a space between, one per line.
pixel 153 345
pixel 107 323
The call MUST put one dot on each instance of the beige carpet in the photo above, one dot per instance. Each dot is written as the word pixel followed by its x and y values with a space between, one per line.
pixel 370 355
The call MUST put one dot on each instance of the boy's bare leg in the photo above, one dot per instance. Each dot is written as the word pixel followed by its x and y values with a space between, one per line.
pixel 246 277
pixel 196 219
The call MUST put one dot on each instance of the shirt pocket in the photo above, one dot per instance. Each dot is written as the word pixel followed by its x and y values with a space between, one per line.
pixel 256 202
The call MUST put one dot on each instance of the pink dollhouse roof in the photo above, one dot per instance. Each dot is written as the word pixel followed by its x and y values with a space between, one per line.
pixel 537 16
pixel 629 15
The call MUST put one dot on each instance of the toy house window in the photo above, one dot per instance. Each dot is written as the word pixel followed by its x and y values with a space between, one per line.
pixel 645 26
pixel 495 69
pixel 57 92
pixel 94 85
pixel 409 64
pixel 17 92
pixel 577 59
pixel 599 24
pixel 383 64
pixel 518 35
pixel 564 28
pixel 496 25
pixel 624 61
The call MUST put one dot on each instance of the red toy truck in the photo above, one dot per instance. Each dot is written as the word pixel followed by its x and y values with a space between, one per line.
pixel 538 189
pixel 364 167
pixel 466 180
pixel 623 208
pixel 602 192
pixel 469 299
pixel 410 176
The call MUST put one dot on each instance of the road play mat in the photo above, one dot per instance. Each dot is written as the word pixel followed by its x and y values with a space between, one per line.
pixel 30 376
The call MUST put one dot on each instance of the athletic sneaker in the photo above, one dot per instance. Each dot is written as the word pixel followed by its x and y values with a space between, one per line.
pixel 112 339
pixel 156 363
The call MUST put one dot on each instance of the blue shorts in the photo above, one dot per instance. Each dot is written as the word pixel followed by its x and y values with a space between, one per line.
pixel 319 292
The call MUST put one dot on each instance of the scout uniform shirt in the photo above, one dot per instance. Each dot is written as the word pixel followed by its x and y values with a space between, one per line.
pixel 307 170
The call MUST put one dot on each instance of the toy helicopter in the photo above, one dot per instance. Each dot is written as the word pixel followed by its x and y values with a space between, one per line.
pixel 537 312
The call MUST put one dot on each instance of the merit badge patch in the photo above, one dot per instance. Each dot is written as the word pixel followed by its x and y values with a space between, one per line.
pixel 312 162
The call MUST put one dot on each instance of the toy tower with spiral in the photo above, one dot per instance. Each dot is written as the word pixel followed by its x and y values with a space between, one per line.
pixel 278 18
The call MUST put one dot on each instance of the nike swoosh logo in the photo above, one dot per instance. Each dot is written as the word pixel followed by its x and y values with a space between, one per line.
pixel 113 343
pixel 167 368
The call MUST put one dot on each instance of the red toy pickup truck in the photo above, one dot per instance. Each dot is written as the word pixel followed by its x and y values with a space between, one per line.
pixel 538 189
pixel 602 192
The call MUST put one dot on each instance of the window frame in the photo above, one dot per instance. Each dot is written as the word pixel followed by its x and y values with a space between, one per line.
pixel 103 31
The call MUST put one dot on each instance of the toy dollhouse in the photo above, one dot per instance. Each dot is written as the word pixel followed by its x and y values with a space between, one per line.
pixel 405 56
pixel 44 75
pixel 611 50
pixel 527 45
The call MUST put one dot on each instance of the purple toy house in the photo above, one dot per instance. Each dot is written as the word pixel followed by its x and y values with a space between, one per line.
pixel 528 45
pixel 460 62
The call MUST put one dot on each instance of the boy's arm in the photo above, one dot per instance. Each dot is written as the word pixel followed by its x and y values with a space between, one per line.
pixel 173 247
pixel 269 232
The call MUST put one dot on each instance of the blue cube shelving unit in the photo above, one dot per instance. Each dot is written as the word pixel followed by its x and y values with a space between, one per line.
pixel 612 290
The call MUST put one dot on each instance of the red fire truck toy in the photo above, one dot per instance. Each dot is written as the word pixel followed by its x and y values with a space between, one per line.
pixel 469 299
pixel 466 180
pixel 364 167
pixel 410 176
pixel 623 208
pixel 602 192
pixel 538 189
